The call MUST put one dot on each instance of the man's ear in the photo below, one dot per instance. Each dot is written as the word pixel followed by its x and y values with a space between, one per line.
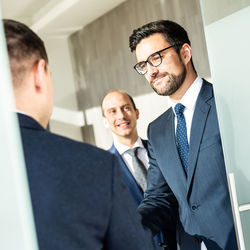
pixel 105 122
pixel 137 113
pixel 186 53
pixel 39 74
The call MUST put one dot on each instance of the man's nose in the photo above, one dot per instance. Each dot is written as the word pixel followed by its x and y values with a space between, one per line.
pixel 152 71
pixel 120 114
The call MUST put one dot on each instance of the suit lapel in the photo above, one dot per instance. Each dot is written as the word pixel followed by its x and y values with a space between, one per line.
pixel 124 167
pixel 198 125
pixel 167 151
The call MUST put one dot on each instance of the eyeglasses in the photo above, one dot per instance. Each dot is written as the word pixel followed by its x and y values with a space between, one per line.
pixel 154 60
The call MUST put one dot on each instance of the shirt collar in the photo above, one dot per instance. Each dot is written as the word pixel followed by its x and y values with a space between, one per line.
pixel 20 112
pixel 121 148
pixel 190 97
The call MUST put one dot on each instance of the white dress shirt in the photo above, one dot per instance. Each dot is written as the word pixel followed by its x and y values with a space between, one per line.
pixel 20 112
pixel 141 153
pixel 189 101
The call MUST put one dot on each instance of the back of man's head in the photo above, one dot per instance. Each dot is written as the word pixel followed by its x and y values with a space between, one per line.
pixel 30 73
pixel 25 48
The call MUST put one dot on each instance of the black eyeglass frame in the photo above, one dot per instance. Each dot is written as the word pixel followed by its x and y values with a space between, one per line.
pixel 155 53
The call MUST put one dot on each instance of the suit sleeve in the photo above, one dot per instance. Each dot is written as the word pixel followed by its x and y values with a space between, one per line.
pixel 125 230
pixel 159 207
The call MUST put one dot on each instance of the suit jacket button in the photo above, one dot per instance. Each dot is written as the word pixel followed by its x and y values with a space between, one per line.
pixel 196 240
pixel 194 207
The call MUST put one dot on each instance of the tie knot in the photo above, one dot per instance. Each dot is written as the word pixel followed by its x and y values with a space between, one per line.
pixel 132 151
pixel 179 108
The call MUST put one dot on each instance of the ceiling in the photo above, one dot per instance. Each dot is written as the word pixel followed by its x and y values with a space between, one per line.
pixel 56 18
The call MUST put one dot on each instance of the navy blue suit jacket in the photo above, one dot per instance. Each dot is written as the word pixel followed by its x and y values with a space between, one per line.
pixel 78 198
pixel 128 179
pixel 200 201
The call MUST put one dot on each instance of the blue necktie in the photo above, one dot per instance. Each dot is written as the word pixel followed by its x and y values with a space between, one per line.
pixel 181 135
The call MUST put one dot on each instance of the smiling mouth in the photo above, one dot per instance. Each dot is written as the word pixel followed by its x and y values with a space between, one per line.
pixel 123 124
pixel 157 80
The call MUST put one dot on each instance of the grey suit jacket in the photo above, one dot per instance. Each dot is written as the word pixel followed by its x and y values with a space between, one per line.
pixel 198 203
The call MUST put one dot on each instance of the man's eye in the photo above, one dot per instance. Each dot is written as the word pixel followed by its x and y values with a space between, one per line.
pixel 143 65
pixel 155 58
pixel 127 108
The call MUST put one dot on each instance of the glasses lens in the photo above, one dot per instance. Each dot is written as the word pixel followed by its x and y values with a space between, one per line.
pixel 155 59
pixel 141 68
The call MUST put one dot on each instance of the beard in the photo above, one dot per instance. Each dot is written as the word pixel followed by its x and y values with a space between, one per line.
pixel 172 85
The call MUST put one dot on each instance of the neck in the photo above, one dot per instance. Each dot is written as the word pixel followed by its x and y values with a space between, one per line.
pixel 26 101
pixel 190 78
pixel 42 122
pixel 128 141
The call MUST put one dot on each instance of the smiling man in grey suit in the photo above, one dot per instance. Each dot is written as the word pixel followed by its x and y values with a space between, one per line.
pixel 78 199
pixel 187 184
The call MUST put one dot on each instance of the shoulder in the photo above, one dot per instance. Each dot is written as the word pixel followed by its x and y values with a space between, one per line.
pixel 206 94
pixel 206 83
pixel 161 119
pixel 79 149
pixel 112 149
pixel 206 88
pixel 45 148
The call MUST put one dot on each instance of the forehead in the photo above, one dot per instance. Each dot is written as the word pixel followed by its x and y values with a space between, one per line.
pixel 150 45
pixel 115 99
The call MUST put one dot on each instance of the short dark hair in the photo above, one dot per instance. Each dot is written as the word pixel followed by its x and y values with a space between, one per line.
pixel 172 32
pixel 24 46
pixel 121 92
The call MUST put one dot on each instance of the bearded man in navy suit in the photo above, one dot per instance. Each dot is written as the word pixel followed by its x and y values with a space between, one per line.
pixel 120 115
pixel 78 198
pixel 187 184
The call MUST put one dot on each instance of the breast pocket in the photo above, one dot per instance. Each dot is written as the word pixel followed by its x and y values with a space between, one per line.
pixel 210 141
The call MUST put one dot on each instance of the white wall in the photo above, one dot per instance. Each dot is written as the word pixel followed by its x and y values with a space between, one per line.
pixel 228 39
pixel 64 86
